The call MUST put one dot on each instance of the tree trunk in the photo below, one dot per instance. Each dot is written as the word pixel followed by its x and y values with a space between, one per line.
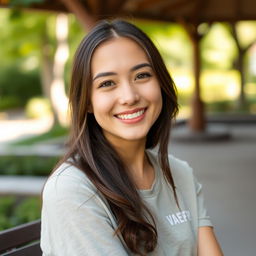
pixel 46 72
pixel 57 92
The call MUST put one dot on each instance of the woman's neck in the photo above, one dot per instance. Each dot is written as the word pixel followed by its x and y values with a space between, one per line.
pixel 135 158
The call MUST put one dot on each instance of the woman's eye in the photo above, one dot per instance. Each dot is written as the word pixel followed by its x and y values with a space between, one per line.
pixel 106 84
pixel 143 75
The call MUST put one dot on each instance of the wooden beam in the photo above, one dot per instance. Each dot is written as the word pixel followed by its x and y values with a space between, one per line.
pixel 176 5
pixel 114 6
pixel 238 7
pixel 193 7
pixel 150 4
pixel 175 17
pixel 5 2
pixel 94 6
pixel 87 19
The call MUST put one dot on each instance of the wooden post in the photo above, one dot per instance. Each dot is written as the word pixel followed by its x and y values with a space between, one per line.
pixel 197 120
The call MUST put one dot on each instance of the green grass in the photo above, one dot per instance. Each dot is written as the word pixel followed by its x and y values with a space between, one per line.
pixel 27 165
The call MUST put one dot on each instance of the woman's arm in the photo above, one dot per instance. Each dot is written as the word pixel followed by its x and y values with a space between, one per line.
pixel 207 242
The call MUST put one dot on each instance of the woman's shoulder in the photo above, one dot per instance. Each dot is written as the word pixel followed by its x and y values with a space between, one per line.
pixel 179 165
pixel 68 180
pixel 180 169
pixel 174 162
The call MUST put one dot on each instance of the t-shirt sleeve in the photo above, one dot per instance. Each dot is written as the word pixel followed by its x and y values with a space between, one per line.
pixel 75 221
pixel 203 218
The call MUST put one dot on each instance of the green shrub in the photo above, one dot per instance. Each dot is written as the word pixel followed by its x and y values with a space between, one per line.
pixel 9 102
pixel 16 210
pixel 220 106
pixel 230 106
pixel 6 203
pixel 28 210
pixel 27 165
pixel 18 85
pixel 6 207
pixel 4 222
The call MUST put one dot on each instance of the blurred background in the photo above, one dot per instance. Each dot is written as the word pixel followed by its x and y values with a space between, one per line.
pixel 36 51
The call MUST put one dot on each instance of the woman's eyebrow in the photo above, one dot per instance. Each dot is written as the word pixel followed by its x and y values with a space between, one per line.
pixel 104 74
pixel 142 65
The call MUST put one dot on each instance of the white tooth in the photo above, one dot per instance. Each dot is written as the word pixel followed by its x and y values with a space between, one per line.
pixel 131 116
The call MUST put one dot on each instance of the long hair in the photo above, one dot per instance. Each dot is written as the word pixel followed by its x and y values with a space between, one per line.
pixel 92 153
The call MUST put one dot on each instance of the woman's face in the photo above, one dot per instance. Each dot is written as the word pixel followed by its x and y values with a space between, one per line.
pixel 126 96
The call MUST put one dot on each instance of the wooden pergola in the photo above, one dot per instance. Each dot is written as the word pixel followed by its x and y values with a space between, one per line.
pixel 189 13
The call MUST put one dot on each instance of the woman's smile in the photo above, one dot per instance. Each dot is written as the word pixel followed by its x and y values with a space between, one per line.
pixel 132 116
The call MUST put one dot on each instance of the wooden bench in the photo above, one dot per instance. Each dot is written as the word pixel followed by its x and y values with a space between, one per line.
pixel 23 240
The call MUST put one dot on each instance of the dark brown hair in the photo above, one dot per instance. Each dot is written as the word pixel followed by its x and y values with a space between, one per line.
pixel 93 154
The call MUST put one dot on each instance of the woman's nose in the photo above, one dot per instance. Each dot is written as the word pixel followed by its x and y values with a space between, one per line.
pixel 128 94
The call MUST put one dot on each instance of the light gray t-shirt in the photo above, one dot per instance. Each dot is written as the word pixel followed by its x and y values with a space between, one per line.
pixel 77 220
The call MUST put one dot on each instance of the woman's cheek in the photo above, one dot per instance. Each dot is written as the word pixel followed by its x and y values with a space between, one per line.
pixel 102 104
pixel 153 94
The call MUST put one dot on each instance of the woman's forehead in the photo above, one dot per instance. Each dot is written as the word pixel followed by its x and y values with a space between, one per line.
pixel 117 52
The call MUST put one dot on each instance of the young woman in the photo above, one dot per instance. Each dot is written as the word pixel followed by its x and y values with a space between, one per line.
pixel 111 194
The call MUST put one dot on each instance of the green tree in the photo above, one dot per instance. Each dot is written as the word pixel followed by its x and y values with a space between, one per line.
pixel 218 48
pixel 172 42
pixel 244 35
pixel 30 41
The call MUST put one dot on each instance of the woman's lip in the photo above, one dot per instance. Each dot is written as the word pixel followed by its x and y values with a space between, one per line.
pixel 130 111
pixel 133 120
